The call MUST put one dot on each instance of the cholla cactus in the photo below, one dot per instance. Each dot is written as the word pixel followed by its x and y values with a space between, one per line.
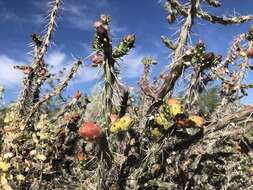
pixel 157 142
pixel 107 56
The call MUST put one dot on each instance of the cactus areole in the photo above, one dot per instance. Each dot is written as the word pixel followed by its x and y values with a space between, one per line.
pixel 90 131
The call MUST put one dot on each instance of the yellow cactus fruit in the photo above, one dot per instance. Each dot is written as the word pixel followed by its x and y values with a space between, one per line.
pixel 122 124
pixel 198 121
pixel 115 127
pixel 127 122
pixel 162 120
pixel 155 132
pixel 174 106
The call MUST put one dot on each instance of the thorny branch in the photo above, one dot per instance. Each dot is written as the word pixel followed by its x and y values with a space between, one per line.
pixel 56 92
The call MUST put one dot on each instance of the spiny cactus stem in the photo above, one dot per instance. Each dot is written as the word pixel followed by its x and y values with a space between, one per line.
pixel 177 66
pixel 56 92
pixel 109 81
pixel 29 82
pixel 50 30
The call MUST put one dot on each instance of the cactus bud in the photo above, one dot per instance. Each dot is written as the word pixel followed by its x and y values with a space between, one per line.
pixel 27 70
pixel 96 60
pixel 104 19
pixel 200 44
pixel 130 39
pixel 100 27
pixel 114 117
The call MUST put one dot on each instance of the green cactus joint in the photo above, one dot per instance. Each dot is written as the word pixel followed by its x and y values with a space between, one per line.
pixel 124 46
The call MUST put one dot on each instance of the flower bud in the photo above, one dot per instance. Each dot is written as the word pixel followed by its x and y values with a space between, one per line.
pixel 101 29
pixel 200 44
pixel 104 19
pixel 97 59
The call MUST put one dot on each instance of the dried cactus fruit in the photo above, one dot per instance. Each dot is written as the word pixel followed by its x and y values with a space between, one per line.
pixel 198 120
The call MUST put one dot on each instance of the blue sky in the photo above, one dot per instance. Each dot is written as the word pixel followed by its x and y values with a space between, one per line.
pixel 74 34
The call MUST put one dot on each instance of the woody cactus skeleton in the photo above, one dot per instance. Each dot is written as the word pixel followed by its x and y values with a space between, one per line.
pixel 189 12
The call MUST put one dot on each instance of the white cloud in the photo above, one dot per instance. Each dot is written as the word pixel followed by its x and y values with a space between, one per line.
pixel 82 16
pixel 76 16
pixel 9 16
pixel 131 66
pixel 56 58
pixel 9 76
pixel 59 60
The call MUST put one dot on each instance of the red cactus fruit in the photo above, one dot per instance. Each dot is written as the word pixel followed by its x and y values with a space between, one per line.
pixel 250 53
pixel 90 131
